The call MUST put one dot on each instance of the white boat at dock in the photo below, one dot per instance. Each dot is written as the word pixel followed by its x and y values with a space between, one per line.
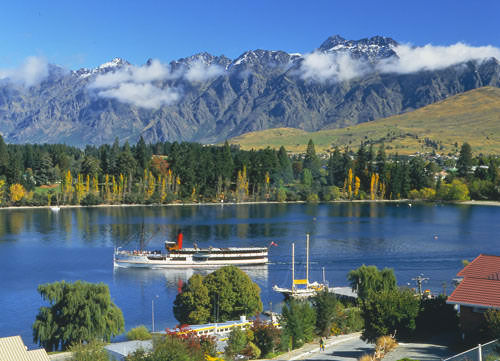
pixel 309 289
pixel 175 256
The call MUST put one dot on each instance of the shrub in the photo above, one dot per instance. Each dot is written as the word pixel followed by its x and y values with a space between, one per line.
pixel 139 333
pixel 312 198
pixel 92 351
pixel 90 200
pixel 385 344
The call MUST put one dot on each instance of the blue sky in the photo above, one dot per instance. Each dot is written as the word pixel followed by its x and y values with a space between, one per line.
pixel 87 33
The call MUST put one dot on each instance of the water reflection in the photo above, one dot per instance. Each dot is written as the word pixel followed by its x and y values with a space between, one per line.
pixel 174 278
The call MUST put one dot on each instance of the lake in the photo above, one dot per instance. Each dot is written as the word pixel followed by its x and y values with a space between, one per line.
pixel 39 246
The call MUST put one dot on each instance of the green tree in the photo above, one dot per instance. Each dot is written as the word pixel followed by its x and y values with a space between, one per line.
pixel 267 337
pixel 298 321
pixel 336 170
pixel 79 312
pixel 369 279
pixel 311 160
pixel 192 305
pixel 285 166
pixel 237 341
pixel 464 162
pixel 327 310
pixel 222 295
pixel 492 319
pixel 389 312
pixel 455 191
pixel 232 293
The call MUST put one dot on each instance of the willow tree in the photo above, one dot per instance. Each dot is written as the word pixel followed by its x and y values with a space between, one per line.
pixel 78 312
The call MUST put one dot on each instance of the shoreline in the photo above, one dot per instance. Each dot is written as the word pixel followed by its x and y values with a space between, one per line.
pixel 471 202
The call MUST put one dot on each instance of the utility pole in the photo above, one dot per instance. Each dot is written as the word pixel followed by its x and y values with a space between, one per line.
pixel 419 281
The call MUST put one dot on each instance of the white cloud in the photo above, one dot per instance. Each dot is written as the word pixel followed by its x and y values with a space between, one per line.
pixel 323 67
pixel 135 84
pixel 142 95
pixel 338 67
pixel 33 71
pixel 430 57
pixel 200 71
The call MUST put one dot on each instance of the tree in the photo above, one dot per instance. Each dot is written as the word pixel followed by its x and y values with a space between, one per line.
pixel 464 162
pixel 17 192
pixel 222 295
pixel 369 279
pixel 236 342
pixel 298 321
pixel 311 160
pixel 456 191
pixel 192 305
pixel 78 312
pixel 285 166
pixel 492 318
pixel 336 169
pixel 389 312
pixel 267 337
pixel 327 309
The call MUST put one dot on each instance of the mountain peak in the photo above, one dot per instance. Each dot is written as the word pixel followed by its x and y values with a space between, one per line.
pixel 114 63
pixel 371 49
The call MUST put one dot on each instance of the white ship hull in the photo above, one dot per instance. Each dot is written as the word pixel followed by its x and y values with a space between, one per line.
pixel 192 258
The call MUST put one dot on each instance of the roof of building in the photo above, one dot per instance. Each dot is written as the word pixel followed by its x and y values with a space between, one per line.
pixel 481 284
pixel 483 266
pixel 13 348
pixel 477 292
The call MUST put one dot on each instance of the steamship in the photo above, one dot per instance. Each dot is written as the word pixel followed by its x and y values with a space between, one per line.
pixel 175 256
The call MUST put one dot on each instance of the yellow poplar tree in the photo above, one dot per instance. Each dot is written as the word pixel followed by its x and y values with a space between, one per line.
pixel 106 188
pixel 80 188
pixel 87 184
pixel 151 185
pixel 357 184
pixel 114 188
pixel 2 190
pixel 349 182
pixel 95 185
pixel 163 190
pixel 121 187
pixel 68 185
pixel 17 192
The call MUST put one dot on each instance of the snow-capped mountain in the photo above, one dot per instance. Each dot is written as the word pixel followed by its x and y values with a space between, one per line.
pixel 372 49
pixel 208 98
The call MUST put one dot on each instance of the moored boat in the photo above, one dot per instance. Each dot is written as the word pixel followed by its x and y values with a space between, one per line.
pixel 308 289
pixel 175 256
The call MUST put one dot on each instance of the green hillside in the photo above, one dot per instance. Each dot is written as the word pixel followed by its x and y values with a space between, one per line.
pixel 472 117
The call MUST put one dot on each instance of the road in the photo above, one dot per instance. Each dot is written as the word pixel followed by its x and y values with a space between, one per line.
pixel 351 348
pixel 341 348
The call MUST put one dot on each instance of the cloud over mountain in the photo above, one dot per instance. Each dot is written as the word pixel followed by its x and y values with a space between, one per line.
pixel 343 66
pixel 143 86
pixel 33 71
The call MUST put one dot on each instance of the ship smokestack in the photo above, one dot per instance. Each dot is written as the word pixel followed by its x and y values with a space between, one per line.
pixel 179 240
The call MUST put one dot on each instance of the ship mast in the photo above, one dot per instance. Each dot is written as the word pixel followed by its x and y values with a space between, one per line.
pixel 307 259
pixel 293 267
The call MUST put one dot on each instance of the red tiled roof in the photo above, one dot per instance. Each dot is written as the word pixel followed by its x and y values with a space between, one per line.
pixel 483 266
pixel 480 292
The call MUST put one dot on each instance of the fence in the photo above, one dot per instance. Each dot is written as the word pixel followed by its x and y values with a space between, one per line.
pixel 488 352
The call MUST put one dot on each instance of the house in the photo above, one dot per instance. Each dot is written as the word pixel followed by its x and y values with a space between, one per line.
pixel 13 348
pixel 477 292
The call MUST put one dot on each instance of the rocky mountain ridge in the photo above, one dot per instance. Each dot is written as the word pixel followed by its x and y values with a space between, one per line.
pixel 207 98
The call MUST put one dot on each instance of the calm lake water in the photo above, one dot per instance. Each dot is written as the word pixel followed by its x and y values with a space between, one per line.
pixel 39 246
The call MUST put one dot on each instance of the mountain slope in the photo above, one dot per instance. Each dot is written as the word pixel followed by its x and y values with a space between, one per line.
pixel 472 117
pixel 208 98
